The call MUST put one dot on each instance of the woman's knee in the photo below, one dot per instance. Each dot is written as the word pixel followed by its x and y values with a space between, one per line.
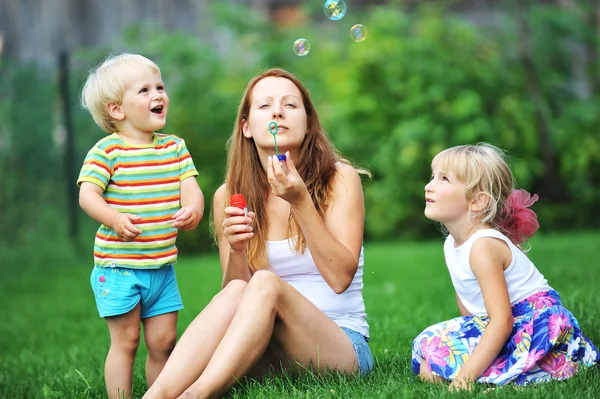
pixel 265 284
pixel 235 287
pixel 233 291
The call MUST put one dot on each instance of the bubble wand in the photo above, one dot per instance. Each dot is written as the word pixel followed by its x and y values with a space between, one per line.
pixel 273 129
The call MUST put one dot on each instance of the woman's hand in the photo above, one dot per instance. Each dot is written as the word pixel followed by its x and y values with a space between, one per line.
pixel 286 184
pixel 237 228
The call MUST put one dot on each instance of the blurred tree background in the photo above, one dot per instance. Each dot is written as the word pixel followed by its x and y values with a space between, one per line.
pixel 423 80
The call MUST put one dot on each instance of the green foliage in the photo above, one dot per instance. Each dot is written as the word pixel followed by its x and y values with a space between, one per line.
pixel 28 156
pixel 423 80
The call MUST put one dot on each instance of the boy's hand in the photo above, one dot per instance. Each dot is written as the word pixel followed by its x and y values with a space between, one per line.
pixel 187 218
pixel 124 227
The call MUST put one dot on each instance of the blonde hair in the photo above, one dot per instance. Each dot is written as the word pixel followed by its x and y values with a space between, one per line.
pixel 316 165
pixel 105 84
pixel 481 168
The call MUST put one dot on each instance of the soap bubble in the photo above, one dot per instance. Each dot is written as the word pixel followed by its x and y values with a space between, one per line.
pixel 358 33
pixel 334 9
pixel 301 47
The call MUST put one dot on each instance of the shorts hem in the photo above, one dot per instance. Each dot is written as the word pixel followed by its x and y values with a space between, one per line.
pixel 162 311
pixel 111 313
pixel 364 355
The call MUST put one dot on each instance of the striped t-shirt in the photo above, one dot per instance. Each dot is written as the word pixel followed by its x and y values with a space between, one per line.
pixel 143 180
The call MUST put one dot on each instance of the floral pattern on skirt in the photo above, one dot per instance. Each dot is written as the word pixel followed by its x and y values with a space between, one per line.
pixel 546 343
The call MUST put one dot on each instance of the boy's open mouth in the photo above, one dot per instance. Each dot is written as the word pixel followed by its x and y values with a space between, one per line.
pixel 158 109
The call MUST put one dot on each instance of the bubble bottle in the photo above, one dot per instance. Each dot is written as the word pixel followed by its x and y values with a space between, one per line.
pixel 238 201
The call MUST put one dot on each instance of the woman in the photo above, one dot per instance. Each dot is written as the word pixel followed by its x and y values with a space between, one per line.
pixel 292 268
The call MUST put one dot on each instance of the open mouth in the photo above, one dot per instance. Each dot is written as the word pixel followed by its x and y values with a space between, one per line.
pixel 429 201
pixel 158 109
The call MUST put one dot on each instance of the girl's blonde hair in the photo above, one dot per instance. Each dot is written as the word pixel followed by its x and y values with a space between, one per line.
pixel 482 168
pixel 316 165
pixel 105 84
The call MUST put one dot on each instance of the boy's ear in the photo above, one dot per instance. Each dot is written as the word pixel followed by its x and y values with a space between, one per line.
pixel 480 201
pixel 115 111
pixel 246 129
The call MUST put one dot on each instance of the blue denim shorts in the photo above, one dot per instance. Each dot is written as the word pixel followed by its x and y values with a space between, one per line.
pixel 118 290
pixel 363 352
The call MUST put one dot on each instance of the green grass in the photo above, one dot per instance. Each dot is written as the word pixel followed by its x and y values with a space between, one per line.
pixel 53 344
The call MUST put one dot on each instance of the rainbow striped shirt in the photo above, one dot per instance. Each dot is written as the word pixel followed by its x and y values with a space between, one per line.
pixel 145 181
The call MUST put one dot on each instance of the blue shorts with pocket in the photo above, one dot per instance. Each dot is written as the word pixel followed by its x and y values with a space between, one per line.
pixel 118 290
pixel 363 352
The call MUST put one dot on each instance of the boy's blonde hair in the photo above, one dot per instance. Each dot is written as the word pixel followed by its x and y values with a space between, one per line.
pixel 481 168
pixel 105 84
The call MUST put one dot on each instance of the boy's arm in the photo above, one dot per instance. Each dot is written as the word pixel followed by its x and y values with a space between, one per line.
pixel 92 202
pixel 192 205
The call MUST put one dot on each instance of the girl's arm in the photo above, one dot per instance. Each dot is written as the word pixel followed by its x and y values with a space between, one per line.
pixel 335 242
pixel 488 259
pixel 233 232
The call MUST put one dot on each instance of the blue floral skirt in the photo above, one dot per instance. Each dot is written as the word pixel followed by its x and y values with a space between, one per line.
pixel 546 343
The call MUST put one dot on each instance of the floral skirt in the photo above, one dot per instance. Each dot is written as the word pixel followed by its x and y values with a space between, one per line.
pixel 546 343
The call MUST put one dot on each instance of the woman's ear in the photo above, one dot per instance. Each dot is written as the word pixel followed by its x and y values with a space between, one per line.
pixel 115 111
pixel 246 129
pixel 480 201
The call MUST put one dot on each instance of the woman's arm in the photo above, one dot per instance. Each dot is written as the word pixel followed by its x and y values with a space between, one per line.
pixel 335 242
pixel 233 231
pixel 488 258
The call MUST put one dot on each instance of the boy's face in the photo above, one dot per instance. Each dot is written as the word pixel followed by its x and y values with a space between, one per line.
pixel 145 102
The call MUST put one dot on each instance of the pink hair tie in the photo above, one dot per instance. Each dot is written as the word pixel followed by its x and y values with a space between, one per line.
pixel 518 221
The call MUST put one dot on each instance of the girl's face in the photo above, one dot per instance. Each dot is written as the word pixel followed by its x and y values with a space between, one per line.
pixel 445 198
pixel 276 99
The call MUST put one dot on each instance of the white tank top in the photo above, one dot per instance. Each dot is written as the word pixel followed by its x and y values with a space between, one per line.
pixel 299 270
pixel 522 277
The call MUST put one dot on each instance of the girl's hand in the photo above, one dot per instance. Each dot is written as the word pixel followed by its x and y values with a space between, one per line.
pixel 287 185
pixel 460 384
pixel 237 228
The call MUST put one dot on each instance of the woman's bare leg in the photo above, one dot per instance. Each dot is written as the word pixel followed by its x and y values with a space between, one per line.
pixel 198 343
pixel 302 333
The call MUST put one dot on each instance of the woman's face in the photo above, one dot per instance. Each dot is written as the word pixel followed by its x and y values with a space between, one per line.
pixel 276 99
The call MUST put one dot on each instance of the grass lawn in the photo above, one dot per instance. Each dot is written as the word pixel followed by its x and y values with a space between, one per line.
pixel 53 344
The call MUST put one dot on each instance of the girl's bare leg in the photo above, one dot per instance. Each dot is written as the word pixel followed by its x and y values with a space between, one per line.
pixel 302 333
pixel 198 343
pixel 160 335
pixel 426 375
pixel 124 341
